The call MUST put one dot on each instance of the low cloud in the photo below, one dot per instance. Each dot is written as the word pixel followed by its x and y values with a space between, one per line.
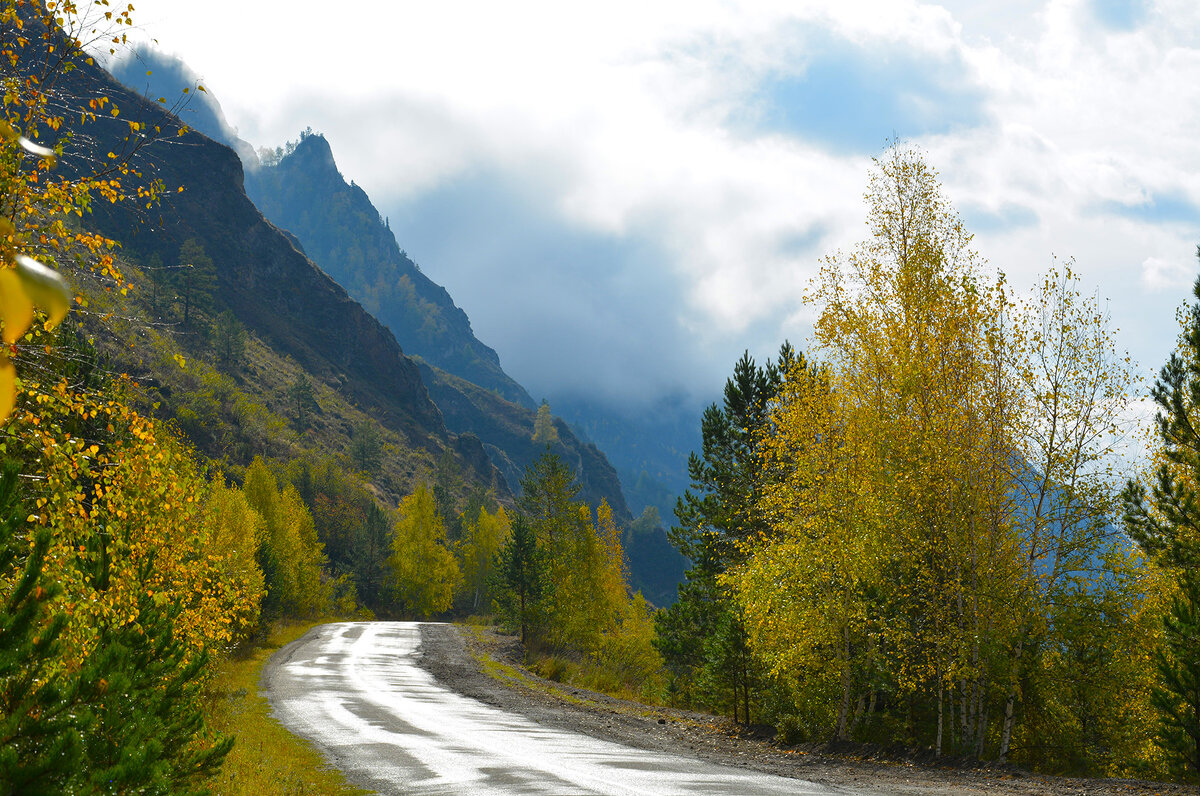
pixel 623 196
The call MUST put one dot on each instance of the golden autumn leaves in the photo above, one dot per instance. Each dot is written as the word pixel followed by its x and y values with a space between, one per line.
pixel 24 283
pixel 939 500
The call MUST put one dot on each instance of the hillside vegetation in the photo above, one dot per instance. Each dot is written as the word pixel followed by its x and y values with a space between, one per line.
pixel 906 537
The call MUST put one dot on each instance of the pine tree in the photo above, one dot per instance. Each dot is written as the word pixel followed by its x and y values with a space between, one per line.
pixel 366 447
pixel 701 636
pixel 145 730
pixel 195 281
pixel 370 557
pixel 303 401
pixel 520 579
pixel 548 491
pixel 229 339
pixel 40 745
pixel 1178 663
pixel 1166 524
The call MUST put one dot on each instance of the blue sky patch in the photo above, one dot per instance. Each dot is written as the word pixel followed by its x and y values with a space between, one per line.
pixel 1008 216
pixel 1119 15
pixel 1169 208
pixel 854 99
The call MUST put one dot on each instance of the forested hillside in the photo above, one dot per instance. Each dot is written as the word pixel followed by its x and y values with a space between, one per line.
pixel 299 188
pixel 911 535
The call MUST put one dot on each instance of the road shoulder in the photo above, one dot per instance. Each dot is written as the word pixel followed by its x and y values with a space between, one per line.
pixel 484 665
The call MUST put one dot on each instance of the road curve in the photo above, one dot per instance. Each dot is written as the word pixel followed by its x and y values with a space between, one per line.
pixel 355 690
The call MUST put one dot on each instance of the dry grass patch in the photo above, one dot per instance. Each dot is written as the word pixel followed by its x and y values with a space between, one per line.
pixel 266 759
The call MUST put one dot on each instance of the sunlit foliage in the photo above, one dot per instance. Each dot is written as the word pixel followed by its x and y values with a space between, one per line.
pixel 939 553
pixel 290 555
pixel 563 578
pixel 484 537
pixel 425 572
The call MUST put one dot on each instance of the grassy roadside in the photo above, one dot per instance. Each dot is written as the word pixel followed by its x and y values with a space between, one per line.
pixel 560 682
pixel 266 759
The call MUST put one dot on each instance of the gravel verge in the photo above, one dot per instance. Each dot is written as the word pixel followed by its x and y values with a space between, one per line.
pixel 482 664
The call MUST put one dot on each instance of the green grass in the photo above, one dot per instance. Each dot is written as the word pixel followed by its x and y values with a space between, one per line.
pixel 266 759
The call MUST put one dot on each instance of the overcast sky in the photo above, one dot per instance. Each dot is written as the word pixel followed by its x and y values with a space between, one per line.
pixel 624 195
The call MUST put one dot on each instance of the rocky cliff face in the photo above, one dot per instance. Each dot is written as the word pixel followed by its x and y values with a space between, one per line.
pixel 340 228
pixel 272 288
pixel 303 191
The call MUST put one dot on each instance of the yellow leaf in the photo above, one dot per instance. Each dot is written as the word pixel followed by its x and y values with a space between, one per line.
pixel 8 388
pixel 15 306
pixel 45 287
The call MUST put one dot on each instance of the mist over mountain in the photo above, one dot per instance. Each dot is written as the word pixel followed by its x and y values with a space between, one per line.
pixel 301 190
pixel 157 75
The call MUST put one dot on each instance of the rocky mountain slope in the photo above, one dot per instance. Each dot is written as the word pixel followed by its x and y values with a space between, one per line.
pixel 272 288
pixel 342 232
pixel 337 225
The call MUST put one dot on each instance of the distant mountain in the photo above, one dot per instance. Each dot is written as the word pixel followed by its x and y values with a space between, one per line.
pixel 649 447
pixel 507 433
pixel 268 285
pixel 300 189
pixel 303 191
pixel 158 75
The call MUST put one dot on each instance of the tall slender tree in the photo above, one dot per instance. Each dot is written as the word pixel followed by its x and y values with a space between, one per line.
pixel 195 280
pixel 520 580
pixel 702 635
pixel 425 572
pixel 1165 522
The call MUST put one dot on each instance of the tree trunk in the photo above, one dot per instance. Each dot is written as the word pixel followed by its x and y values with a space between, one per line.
pixel 524 631
pixel 937 748
pixel 1011 704
pixel 745 688
pixel 981 733
pixel 844 710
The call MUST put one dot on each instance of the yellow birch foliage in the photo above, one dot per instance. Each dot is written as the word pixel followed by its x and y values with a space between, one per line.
pixel 293 558
pixel 803 588
pixel 484 538
pixel 236 530
pixel 939 503
pixel 914 334
pixel 126 504
pixel 425 572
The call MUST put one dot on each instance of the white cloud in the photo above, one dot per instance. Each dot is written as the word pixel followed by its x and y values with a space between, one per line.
pixel 615 116
pixel 1168 274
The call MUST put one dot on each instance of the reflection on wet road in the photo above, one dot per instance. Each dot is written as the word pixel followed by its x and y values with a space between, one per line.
pixel 356 691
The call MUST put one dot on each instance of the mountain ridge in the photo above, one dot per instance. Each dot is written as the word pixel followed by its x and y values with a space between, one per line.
pixel 342 232
pixel 261 277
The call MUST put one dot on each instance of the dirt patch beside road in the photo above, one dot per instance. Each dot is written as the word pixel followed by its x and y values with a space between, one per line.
pixel 481 664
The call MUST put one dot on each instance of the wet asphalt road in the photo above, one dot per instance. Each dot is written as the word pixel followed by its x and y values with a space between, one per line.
pixel 356 691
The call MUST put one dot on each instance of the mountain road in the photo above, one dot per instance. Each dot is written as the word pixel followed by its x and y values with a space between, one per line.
pixel 357 692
